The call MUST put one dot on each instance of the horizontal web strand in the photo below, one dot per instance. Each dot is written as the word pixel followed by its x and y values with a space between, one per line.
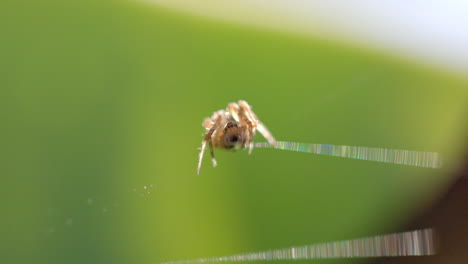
pixel 395 156
pixel 413 243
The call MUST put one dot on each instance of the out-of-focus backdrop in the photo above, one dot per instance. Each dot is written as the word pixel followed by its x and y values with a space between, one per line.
pixel 101 104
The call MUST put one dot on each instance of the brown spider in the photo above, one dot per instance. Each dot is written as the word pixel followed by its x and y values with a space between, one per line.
pixel 232 128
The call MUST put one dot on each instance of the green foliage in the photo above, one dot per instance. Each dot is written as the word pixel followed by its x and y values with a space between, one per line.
pixel 101 98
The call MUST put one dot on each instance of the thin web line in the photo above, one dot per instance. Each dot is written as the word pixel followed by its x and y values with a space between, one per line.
pixel 395 156
pixel 412 243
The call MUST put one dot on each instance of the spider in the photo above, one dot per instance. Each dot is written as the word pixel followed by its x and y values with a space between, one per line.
pixel 231 129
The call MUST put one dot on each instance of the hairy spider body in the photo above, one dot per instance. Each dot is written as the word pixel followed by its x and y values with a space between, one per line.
pixel 232 128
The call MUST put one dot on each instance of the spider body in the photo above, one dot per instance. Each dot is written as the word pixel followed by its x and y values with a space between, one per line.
pixel 232 137
pixel 231 129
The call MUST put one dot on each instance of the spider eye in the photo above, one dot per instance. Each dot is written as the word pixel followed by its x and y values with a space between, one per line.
pixel 234 139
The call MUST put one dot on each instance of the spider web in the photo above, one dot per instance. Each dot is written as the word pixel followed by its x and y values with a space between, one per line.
pixel 412 243
pixel 395 156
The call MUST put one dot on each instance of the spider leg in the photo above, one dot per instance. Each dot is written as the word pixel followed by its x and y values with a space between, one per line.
pixel 250 120
pixel 266 133
pixel 202 150
pixel 257 124
pixel 251 145
pixel 248 113
pixel 219 118
pixel 211 127
pixel 200 157
pixel 233 110
pixel 208 123
pixel 242 115
pixel 213 160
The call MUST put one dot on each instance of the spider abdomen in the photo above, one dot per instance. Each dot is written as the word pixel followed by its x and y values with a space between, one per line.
pixel 234 136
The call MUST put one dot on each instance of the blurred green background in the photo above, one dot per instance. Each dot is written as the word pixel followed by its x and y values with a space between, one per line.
pixel 100 99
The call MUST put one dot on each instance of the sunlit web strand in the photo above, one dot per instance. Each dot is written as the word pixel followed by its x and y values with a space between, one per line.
pixel 413 243
pixel 395 156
